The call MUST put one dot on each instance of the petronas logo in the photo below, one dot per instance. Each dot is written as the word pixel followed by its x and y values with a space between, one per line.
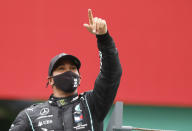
pixel 62 102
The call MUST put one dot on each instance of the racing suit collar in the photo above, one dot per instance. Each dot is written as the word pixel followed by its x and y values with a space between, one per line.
pixel 61 101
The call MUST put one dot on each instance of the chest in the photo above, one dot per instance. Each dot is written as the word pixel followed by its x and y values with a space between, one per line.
pixel 72 117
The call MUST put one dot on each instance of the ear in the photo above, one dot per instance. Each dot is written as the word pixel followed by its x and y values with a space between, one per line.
pixel 50 80
pixel 79 79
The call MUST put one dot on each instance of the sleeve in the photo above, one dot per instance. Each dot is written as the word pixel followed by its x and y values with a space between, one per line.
pixel 107 82
pixel 21 123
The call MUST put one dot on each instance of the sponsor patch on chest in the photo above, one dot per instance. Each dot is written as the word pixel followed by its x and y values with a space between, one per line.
pixel 80 126
pixel 45 122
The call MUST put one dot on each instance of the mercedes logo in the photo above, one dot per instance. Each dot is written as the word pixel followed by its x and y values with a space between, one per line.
pixel 44 111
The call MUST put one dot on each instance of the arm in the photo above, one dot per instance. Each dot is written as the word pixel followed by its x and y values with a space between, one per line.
pixel 21 123
pixel 107 82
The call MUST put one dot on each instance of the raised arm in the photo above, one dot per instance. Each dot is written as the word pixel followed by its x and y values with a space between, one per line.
pixel 107 82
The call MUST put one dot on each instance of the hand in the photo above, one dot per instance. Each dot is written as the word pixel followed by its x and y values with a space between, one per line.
pixel 96 25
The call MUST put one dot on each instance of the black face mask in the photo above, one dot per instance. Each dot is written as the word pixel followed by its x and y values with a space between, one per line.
pixel 67 81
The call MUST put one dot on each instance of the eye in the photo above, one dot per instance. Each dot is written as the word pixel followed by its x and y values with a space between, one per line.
pixel 61 68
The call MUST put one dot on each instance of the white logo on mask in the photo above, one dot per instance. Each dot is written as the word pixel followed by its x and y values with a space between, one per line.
pixel 75 82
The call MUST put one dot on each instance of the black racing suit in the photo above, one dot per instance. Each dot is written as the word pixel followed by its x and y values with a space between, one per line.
pixel 84 112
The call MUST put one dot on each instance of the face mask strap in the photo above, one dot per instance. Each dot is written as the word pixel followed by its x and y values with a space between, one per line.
pixel 47 84
pixel 48 81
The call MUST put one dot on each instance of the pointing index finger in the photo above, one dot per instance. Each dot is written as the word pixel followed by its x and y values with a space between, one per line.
pixel 90 15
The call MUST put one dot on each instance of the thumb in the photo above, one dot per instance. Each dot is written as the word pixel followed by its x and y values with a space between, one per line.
pixel 89 28
pixel 86 26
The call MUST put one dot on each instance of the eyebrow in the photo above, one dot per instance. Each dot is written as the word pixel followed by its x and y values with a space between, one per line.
pixel 64 65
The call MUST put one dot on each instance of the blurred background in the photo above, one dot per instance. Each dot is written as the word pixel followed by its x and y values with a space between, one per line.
pixel 155 48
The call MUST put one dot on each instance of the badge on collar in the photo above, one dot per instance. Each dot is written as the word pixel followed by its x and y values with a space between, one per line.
pixel 78 115
pixel 77 108
pixel 62 102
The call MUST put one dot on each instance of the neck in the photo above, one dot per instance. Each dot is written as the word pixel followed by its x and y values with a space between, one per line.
pixel 59 93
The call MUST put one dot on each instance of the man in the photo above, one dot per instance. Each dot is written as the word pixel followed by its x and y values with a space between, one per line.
pixel 66 110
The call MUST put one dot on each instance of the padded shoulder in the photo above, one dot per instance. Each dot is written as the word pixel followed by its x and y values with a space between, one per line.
pixel 85 93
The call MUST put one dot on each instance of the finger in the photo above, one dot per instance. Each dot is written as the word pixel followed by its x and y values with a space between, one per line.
pixel 95 25
pixel 90 15
pixel 103 23
pixel 98 23
pixel 87 26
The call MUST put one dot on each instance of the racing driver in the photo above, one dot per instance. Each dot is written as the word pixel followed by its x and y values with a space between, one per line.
pixel 66 110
